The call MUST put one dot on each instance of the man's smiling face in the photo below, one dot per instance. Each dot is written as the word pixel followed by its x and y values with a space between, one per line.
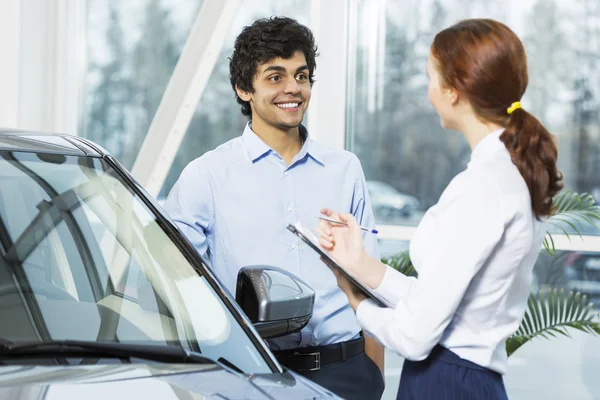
pixel 281 92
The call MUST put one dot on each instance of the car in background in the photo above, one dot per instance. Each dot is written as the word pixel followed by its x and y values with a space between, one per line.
pixel 577 271
pixel 582 272
pixel 389 205
pixel 582 268
pixel 102 296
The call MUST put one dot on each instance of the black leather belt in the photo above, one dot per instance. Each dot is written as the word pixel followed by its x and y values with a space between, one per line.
pixel 313 358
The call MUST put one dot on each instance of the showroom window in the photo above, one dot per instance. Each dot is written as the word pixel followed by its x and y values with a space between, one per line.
pixel 409 159
pixel 131 50
pixel 396 133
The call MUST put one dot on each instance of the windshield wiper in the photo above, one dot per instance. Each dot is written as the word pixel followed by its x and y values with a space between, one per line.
pixel 76 348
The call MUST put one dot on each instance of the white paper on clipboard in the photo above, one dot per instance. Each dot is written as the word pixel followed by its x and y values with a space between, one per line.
pixel 309 238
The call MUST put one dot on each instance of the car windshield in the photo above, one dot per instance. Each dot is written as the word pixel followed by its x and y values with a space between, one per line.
pixel 83 258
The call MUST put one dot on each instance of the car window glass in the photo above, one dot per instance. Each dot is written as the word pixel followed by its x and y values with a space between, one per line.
pixel 91 263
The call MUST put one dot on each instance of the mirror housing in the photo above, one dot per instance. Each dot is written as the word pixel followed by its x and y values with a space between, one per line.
pixel 276 302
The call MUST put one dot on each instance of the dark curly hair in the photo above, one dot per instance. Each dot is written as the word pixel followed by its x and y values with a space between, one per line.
pixel 264 40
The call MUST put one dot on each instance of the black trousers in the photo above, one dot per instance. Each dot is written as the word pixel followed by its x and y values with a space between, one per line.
pixel 445 376
pixel 357 378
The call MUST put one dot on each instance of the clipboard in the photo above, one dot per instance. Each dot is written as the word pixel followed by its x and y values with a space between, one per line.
pixel 311 240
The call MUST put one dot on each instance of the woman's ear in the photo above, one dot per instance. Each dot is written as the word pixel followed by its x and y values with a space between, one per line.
pixel 243 94
pixel 452 95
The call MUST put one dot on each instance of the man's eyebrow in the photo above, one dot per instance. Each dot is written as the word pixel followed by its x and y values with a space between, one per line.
pixel 279 68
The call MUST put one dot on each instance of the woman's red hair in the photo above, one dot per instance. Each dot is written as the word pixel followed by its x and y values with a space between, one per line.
pixel 486 63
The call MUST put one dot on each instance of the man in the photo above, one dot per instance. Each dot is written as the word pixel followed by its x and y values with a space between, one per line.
pixel 235 202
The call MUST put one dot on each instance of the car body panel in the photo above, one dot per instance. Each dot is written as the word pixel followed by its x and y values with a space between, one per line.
pixel 173 381
pixel 48 143
pixel 38 143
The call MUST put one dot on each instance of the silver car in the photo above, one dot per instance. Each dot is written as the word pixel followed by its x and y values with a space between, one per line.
pixel 102 297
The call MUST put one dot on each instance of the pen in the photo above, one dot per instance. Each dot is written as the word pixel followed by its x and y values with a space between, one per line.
pixel 374 231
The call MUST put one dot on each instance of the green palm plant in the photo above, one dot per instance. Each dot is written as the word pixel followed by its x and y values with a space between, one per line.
pixel 551 312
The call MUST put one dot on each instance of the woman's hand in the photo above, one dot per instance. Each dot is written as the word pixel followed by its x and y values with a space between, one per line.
pixel 355 296
pixel 344 243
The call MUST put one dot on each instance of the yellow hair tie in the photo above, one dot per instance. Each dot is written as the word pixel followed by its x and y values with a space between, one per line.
pixel 514 106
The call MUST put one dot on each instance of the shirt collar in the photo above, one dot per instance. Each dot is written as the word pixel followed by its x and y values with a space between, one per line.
pixel 488 145
pixel 310 147
pixel 256 148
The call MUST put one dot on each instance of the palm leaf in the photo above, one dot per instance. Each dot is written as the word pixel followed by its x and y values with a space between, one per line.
pixel 401 262
pixel 549 314
pixel 549 244
pixel 572 210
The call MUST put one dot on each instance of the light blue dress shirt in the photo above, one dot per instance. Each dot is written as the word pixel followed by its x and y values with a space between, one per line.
pixel 236 201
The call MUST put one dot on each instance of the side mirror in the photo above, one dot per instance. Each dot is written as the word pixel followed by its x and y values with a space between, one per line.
pixel 276 301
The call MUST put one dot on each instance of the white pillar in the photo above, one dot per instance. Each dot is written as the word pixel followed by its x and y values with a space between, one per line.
pixel 51 65
pixel 10 29
pixel 327 110
pixel 183 92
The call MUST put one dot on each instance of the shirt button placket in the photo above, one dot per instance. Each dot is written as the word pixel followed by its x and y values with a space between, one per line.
pixel 288 201
pixel 291 216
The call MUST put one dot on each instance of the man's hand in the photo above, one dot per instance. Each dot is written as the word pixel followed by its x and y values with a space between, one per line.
pixel 355 296
pixel 375 352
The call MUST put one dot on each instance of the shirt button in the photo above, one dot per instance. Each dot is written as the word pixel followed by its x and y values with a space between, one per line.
pixel 293 246
pixel 290 209
pixel 286 173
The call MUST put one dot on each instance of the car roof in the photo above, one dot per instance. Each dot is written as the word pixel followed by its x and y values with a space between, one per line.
pixel 58 143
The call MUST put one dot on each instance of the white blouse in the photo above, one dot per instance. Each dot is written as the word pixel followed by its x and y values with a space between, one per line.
pixel 474 252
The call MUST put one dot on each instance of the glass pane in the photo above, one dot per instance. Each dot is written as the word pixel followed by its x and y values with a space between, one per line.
pixel 91 262
pixel 218 117
pixel 560 367
pixel 132 48
pixel 407 156
pixel 390 247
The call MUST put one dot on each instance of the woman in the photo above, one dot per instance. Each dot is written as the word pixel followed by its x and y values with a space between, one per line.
pixel 474 251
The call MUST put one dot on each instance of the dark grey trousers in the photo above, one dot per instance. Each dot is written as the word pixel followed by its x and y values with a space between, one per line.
pixel 445 376
pixel 357 378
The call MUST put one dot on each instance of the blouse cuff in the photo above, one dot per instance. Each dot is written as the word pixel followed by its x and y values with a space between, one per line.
pixel 395 286
pixel 368 314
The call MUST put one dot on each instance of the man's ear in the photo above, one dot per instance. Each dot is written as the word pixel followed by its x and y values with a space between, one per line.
pixel 243 94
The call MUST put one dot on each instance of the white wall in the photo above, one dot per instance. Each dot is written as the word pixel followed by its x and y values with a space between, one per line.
pixel 10 17
pixel 42 47
pixel 327 111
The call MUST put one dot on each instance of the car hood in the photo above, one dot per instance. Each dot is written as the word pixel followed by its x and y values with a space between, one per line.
pixel 150 381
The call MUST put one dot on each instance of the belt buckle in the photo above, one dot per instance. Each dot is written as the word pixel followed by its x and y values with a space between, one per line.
pixel 316 360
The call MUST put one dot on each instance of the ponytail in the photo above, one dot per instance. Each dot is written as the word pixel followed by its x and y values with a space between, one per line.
pixel 534 152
